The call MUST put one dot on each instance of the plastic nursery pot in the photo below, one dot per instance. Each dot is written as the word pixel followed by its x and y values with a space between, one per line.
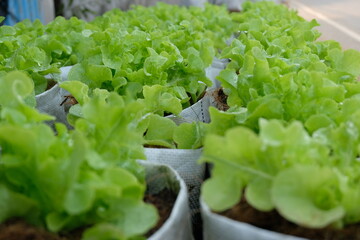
pixel 217 227
pixel 51 101
pixel 178 225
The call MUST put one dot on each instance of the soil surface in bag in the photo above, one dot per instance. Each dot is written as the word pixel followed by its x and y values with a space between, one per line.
pixel 220 99
pixel 154 146
pixel 272 221
pixel 17 229
pixel 50 84
pixel 164 202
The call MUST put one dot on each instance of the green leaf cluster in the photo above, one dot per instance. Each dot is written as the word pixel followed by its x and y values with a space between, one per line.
pixel 290 140
pixel 162 132
pixel 310 180
pixel 157 131
pixel 279 70
pixel 86 177
pixel 40 50
pixel 120 51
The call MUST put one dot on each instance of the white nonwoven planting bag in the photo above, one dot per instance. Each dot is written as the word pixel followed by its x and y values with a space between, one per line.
pixel 213 71
pixel 178 225
pixel 235 5
pixel 231 4
pixel 217 227
pixel 50 101
pixel 184 162
pixel 198 112
pixel 197 3
pixel 65 72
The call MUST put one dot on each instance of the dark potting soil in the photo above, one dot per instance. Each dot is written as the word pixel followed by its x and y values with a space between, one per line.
pixel 16 229
pixel 273 221
pixel 164 201
pixel 50 84
pixel 154 146
pixel 19 230
pixel 220 99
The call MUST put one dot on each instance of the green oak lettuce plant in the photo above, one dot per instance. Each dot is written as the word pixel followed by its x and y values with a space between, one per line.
pixel 305 163
pixel 18 53
pixel 87 177
pixel 157 131
pixel 214 21
pixel 279 70
pixel 107 120
pixel 41 49
pixel 123 51
pixel 175 57
pixel 305 178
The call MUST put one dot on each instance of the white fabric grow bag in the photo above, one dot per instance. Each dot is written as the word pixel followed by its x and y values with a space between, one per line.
pixel 49 102
pixel 235 5
pixel 217 227
pixel 184 162
pixel 197 3
pixel 213 71
pixel 198 112
pixel 178 225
